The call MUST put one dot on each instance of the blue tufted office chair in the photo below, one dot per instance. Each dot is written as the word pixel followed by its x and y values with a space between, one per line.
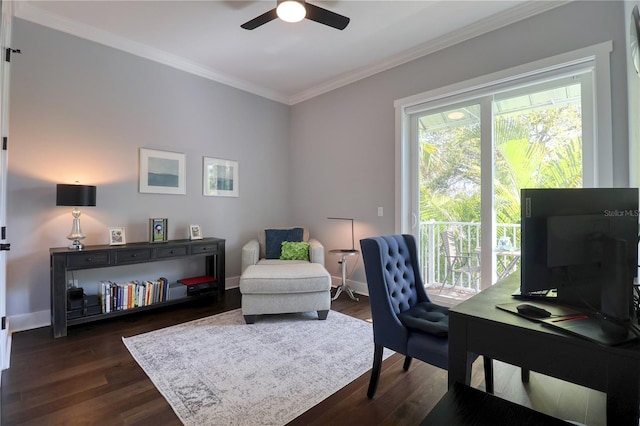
pixel 404 319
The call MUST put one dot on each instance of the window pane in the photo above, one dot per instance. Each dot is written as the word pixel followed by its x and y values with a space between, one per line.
pixel 538 144
pixel 449 178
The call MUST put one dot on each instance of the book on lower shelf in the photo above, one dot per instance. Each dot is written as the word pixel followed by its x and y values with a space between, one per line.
pixel 133 294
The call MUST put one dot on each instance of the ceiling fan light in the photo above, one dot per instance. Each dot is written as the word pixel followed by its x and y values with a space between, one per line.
pixel 291 11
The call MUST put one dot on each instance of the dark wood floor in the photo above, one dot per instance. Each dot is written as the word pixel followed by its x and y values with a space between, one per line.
pixel 90 378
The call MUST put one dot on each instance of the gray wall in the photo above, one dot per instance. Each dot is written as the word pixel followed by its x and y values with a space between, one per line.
pixel 80 110
pixel 343 141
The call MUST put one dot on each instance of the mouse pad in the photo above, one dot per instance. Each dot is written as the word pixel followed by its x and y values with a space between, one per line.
pixel 554 309
pixel 571 321
pixel 590 328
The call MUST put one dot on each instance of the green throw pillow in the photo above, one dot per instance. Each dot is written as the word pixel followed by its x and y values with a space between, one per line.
pixel 294 251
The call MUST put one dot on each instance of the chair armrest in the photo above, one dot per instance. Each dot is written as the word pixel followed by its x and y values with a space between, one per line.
pixel 469 258
pixel 316 251
pixel 250 254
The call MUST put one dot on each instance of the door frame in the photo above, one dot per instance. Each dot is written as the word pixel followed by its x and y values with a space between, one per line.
pixel 6 15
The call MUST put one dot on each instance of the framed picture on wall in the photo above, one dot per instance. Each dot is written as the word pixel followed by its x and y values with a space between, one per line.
pixel 195 233
pixel 220 177
pixel 158 230
pixel 117 236
pixel 162 172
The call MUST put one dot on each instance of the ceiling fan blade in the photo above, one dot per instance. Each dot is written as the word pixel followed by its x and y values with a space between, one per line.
pixel 260 20
pixel 326 17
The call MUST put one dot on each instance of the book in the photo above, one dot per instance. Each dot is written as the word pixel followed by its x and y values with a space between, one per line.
pixel 115 296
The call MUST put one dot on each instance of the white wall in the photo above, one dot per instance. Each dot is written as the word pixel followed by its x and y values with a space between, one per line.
pixel 343 141
pixel 80 111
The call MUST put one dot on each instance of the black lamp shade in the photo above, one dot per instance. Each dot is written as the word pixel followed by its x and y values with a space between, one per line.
pixel 75 195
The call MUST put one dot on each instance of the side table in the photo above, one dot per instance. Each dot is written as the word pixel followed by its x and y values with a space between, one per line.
pixel 343 268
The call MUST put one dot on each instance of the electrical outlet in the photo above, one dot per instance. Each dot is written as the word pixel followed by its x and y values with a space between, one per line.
pixel 380 211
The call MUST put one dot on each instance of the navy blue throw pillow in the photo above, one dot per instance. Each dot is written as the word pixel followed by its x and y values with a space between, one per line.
pixel 275 237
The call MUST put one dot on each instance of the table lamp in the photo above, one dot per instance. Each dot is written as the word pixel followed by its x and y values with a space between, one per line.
pixel 353 247
pixel 75 195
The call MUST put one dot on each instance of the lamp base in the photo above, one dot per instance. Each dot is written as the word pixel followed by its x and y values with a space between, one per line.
pixel 76 245
pixel 76 233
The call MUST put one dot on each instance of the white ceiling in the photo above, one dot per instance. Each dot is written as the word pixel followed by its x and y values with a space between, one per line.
pixel 281 61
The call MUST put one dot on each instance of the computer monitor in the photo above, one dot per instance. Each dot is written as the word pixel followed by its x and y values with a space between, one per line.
pixel 581 243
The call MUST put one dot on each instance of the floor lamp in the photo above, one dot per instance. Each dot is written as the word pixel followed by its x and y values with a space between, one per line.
pixel 343 262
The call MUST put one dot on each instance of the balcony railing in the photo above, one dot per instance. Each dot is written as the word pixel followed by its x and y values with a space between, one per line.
pixel 432 256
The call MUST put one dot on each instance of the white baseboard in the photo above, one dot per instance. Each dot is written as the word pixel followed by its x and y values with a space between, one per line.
pixel 29 321
pixel 39 319
pixel 33 320
pixel 43 318
pixel 231 282
pixel 23 322
pixel 356 286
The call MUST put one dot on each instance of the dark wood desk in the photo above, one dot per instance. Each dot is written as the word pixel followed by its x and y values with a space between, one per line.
pixel 477 326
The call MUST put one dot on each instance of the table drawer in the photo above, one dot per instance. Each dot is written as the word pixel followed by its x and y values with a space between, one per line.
pixel 133 256
pixel 204 248
pixel 88 260
pixel 173 251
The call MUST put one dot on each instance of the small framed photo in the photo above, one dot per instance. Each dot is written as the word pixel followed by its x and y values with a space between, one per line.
pixel 117 236
pixel 194 232
pixel 219 177
pixel 158 230
pixel 162 172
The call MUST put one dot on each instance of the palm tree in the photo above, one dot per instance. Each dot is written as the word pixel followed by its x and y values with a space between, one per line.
pixel 532 152
pixel 539 149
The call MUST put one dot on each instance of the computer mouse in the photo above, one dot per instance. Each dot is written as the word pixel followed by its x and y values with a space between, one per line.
pixel 533 311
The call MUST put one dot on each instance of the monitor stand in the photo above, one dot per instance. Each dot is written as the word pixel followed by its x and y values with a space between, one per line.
pixel 549 295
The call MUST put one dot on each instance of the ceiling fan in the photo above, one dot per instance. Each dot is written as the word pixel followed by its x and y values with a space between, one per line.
pixel 297 10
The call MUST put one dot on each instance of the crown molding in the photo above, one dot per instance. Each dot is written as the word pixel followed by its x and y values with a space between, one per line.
pixel 518 13
pixel 29 12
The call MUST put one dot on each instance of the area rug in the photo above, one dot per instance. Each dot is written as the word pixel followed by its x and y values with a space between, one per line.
pixel 220 371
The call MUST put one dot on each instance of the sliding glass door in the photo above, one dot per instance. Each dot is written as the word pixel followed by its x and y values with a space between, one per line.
pixel 472 158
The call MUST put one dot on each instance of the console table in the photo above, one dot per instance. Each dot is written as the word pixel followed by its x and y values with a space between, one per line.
pixel 477 326
pixel 63 260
